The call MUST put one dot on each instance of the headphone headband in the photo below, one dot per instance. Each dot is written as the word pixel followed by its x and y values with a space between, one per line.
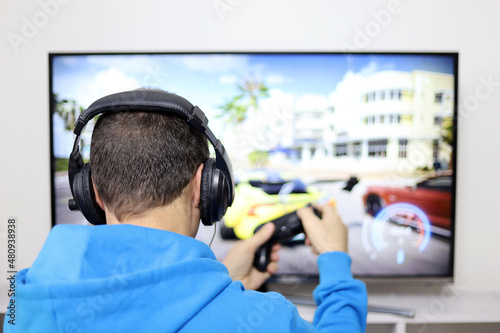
pixel 143 100
pixel 151 101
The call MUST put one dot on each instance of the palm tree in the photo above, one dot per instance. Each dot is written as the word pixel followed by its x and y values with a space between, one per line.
pixel 447 137
pixel 235 111
pixel 251 91
pixel 67 109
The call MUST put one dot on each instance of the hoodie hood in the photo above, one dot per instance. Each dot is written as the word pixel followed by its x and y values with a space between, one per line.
pixel 116 278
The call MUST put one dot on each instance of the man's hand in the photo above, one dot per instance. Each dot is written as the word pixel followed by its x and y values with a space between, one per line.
pixel 324 234
pixel 239 260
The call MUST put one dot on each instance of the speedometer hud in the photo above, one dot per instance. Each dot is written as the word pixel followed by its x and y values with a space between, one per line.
pixel 398 235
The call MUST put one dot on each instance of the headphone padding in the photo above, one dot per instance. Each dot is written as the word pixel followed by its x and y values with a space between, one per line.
pixel 83 192
pixel 206 214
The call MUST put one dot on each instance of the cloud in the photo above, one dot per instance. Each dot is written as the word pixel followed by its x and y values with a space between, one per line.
pixel 277 79
pixel 228 79
pixel 374 67
pixel 371 68
pixel 109 81
pixel 309 102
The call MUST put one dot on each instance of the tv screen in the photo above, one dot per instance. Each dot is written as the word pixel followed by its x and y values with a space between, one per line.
pixel 373 134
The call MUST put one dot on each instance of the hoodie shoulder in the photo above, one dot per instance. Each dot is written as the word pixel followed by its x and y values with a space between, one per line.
pixel 56 261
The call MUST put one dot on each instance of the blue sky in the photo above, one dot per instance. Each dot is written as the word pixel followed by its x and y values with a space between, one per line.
pixel 212 78
pixel 209 80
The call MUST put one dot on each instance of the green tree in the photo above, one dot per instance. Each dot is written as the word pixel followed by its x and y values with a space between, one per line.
pixel 258 158
pixel 447 131
pixel 251 92
pixel 447 137
pixel 67 109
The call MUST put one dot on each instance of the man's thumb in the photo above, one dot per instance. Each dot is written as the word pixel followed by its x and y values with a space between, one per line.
pixel 263 235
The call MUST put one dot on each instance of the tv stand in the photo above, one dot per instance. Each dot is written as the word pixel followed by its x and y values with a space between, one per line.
pixel 436 309
pixel 309 301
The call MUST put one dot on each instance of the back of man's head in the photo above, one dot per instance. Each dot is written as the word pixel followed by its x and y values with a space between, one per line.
pixel 143 160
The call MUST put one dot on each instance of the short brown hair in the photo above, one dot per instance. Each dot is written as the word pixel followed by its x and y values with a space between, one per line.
pixel 143 160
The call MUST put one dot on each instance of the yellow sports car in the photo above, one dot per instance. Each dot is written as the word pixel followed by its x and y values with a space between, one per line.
pixel 264 197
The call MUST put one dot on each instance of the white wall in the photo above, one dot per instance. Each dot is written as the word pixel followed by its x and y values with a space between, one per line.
pixel 469 27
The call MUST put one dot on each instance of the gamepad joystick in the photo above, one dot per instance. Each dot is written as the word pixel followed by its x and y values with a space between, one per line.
pixel 286 227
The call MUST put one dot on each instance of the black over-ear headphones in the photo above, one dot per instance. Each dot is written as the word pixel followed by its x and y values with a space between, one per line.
pixel 217 181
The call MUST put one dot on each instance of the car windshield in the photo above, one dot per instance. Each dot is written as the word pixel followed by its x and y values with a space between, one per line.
pixel 293 186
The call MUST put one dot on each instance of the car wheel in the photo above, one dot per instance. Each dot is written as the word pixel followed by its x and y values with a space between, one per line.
pixel 374 205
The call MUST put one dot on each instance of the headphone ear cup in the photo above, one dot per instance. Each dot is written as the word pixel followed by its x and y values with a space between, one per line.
pixel 214 193
pixel 206 214
pixel 84 195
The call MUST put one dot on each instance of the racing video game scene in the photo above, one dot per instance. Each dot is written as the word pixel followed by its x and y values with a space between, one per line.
pixel 371 134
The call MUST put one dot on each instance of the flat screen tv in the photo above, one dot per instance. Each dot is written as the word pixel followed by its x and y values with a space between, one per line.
pixel 373 134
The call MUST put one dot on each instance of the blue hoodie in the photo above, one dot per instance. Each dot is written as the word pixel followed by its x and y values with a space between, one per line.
pixel 125 278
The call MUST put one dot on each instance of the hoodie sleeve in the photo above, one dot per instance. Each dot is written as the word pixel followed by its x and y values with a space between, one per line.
pixel 341 300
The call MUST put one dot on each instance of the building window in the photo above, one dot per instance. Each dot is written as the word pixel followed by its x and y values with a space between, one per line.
pixel 403 148
pixel 377 148
pixel 438 120
pixel 341 149
pixel 395 94
pixel 371 97
pixel 438 97
pixel 382 118
pixel 356 149
pixel 370 120
pixel 407 93
pixel 382 95
pixel 395 118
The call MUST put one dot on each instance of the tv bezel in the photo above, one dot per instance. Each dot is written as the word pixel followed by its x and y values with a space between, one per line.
pixel 297 278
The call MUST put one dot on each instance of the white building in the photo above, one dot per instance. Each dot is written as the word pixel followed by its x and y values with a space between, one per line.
pixel 387 121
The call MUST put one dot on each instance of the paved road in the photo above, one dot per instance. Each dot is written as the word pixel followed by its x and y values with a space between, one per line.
pixel 62 195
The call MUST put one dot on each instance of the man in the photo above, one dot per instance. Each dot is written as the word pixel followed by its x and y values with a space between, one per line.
pixel 143 271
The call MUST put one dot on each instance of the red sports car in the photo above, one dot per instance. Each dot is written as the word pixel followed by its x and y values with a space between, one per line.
pixel 432 196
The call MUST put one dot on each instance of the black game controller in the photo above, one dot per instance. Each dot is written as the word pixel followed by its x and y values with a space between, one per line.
pixel 286 227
